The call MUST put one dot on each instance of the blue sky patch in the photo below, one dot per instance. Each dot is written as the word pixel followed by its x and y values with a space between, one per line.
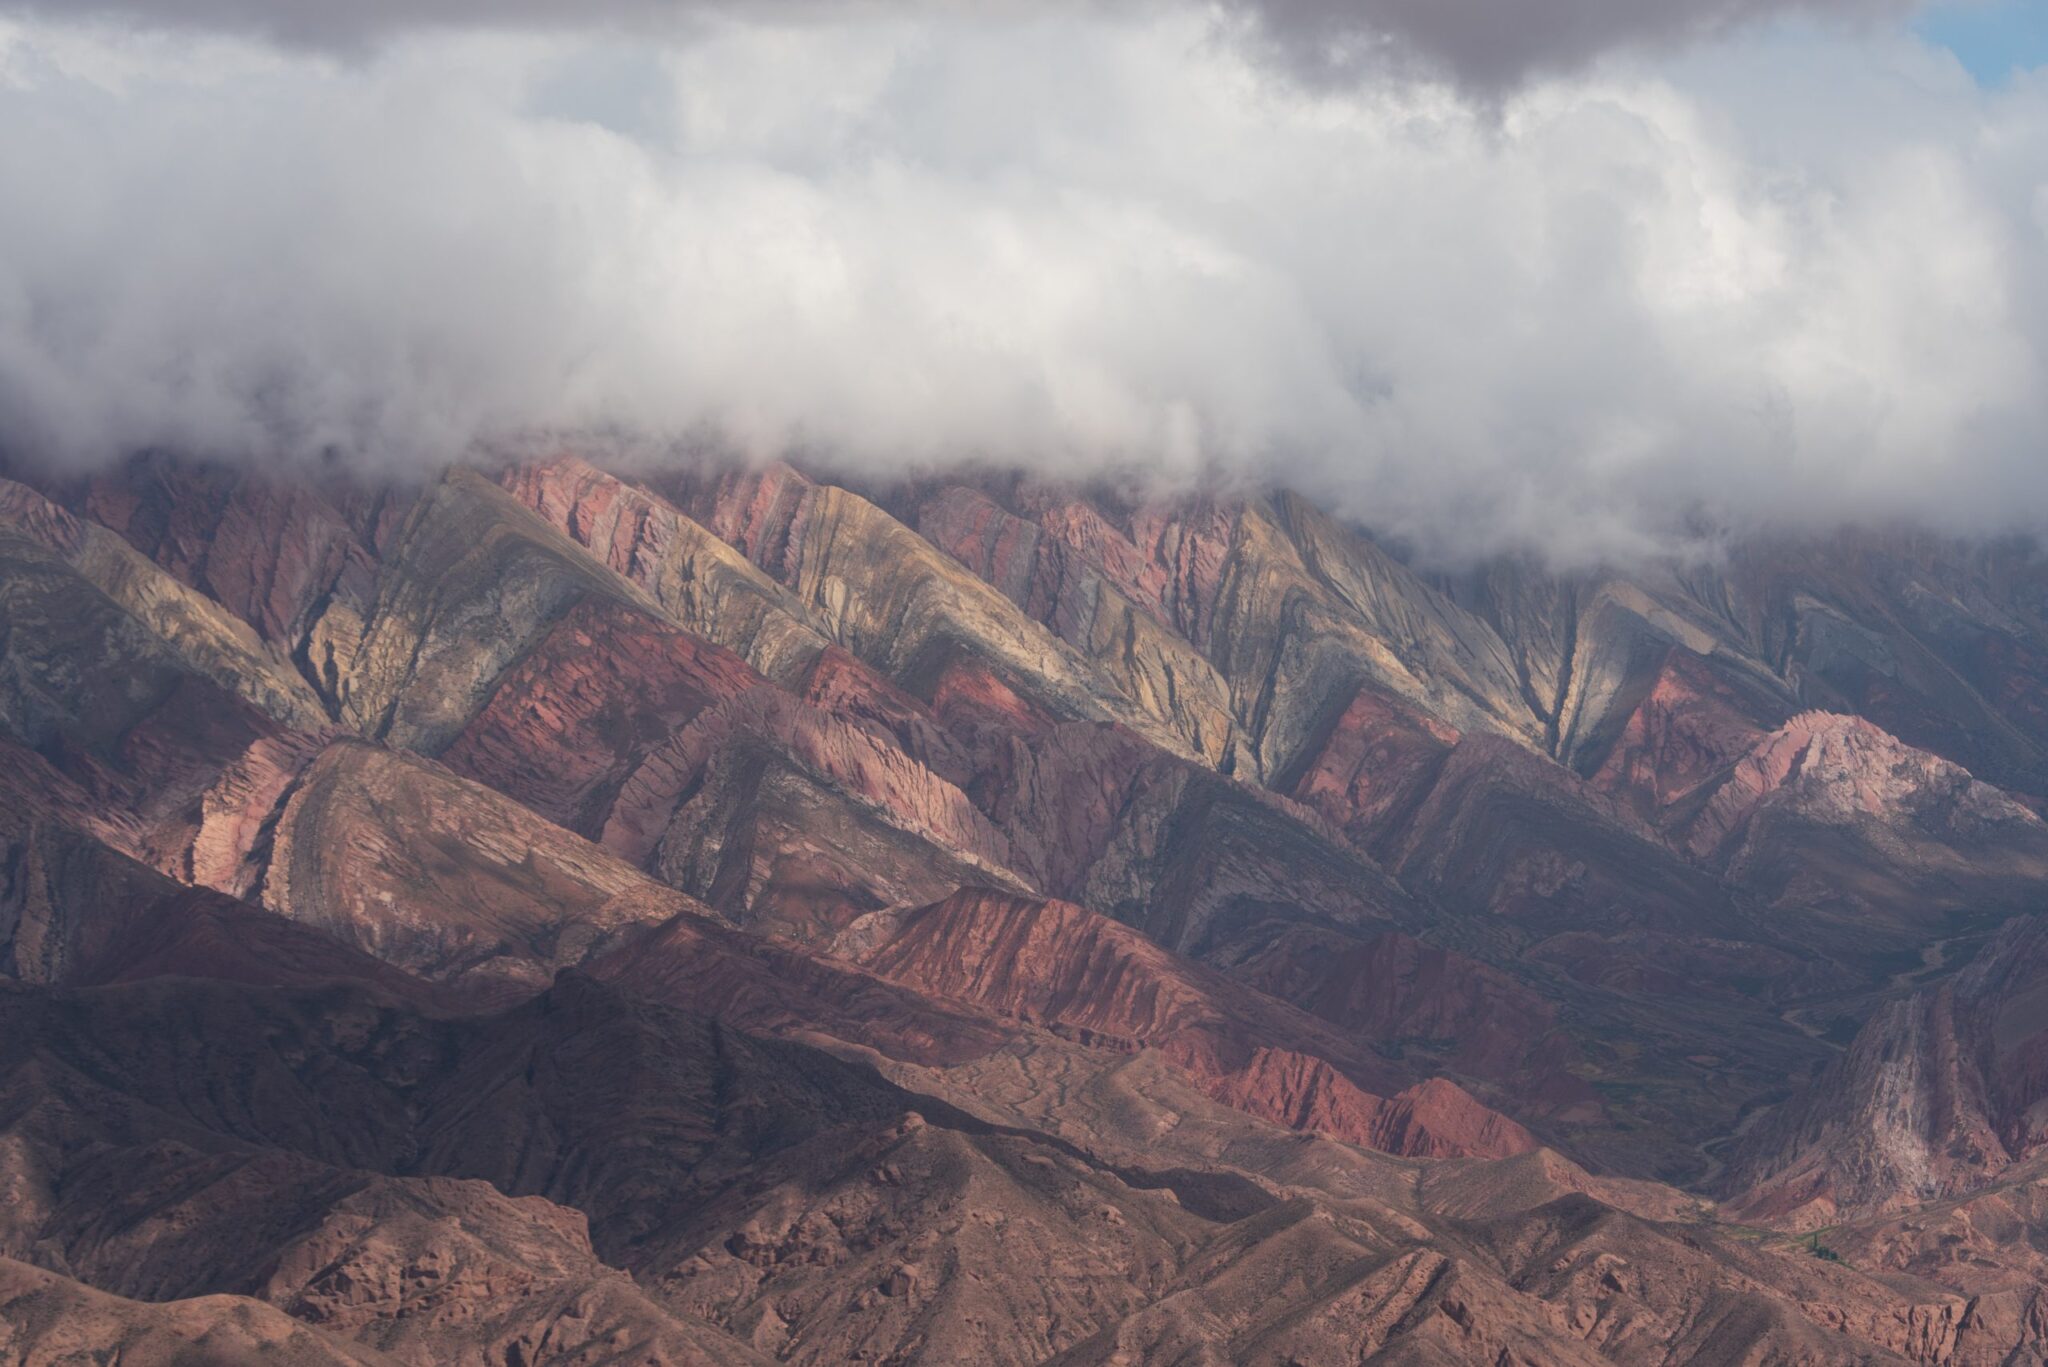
pixel 1993 38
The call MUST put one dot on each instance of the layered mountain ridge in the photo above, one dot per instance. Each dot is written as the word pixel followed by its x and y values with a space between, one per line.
pixel 563 914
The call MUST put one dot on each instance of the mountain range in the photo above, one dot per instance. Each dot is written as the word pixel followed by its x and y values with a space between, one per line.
pixel 583 913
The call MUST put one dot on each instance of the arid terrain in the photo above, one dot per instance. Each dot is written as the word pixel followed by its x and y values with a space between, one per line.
pixel 576 913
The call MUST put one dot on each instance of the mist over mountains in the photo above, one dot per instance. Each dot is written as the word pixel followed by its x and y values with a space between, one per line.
pixel 1590 313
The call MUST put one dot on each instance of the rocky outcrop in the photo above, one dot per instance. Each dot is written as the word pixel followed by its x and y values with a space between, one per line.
pixel 1309 613
pixel 1372 769
pixel 1939 642
pixel 276 553
pixel 74 911
pixel 1694 723
pixel 128 723
pixel 1940 1092
pixel 1289 608
pixel 1840 770
pixel 842 685
pixel 1625 630
pixel 1833 817
pixel 1168 555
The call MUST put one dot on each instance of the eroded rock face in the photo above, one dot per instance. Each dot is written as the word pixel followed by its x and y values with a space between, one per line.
pixel 121 720
pixel 1377 763
pixel 1938 642
pixel 472 582
pixel 1287 606
pixel 1939 1093
pixel 78 593
pixel 1834 817
pixel 1841 770
pixel 74 911
pixel 126 684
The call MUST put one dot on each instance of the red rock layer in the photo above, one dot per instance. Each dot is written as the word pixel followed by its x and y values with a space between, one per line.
pixel 186 782
pixel 1168 555
pixel 849 689
pixel 1379 759
pixel 266 550
pixel 1055 964
pixel 616 523
pixel 760 513
pixel 1690 727
pixel 1072 567
pixel 1401 992
pixel 771 987
pixel 569 722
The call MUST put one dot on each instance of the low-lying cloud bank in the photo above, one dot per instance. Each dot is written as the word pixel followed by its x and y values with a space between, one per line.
pixel 1795 276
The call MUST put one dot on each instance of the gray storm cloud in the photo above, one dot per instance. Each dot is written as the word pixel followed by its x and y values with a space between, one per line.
pixel 1485 44
pixel 1495 44
pixel 1791 279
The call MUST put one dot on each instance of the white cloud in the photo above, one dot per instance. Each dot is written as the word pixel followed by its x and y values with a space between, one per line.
pixel 1619 300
